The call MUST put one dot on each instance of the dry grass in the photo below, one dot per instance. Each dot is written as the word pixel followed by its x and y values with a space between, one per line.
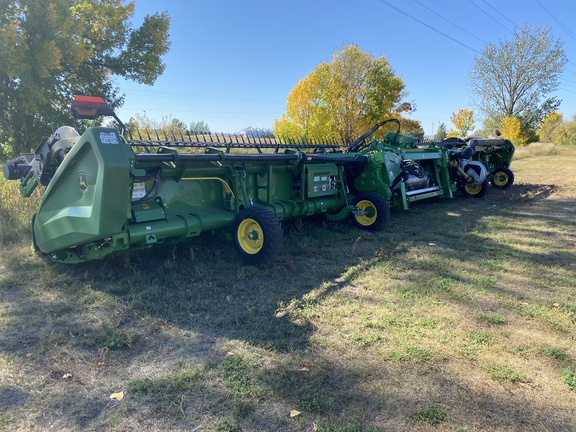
pixel 543 149
pixel 460 315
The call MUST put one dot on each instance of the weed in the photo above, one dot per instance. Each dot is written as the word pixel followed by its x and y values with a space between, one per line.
pixel 426 323
pixel 568 308
pixel 237 373
pixel 555 353
pixel 113 338
pixel 225 424
pixel 352 426
pixel 522 351
pixel 479 338
pixel 311 390
pixel 364 340
pixel 490 319
pixel 569 378
pixel 481 283
pixel 167 392
pixel 433 415
pixel 411 353
pixel 503 373
pixel 470 351
pixel 6 420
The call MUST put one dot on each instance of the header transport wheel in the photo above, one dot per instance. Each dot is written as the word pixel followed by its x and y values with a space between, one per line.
pixel 476 191
pixel 502 178
pixel 376 209
pixel 257 234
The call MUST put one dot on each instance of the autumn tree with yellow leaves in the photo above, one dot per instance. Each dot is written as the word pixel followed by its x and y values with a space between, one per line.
pixel 343 98
pixel 463 121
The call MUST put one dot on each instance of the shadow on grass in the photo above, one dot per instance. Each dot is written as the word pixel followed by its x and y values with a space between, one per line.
pixel 204 287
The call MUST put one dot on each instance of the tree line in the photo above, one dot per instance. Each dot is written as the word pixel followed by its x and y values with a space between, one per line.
pixel 53 50
pixel 511 82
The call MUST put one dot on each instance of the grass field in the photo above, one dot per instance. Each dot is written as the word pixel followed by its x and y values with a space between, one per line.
pixel 459 316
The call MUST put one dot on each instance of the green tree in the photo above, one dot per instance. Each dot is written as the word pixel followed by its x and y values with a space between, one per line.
pixel 53 50
pixel 412 128
pixel 463 121
pixel 343 98
pixel 513 78
pixel 441 133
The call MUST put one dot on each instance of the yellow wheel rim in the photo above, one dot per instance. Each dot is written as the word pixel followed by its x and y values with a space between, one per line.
pixel 501 179
pixel 473 190
pixel 371 213
pixel 250 236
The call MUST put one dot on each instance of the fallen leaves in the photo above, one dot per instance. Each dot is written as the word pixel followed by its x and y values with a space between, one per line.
pixel 117 396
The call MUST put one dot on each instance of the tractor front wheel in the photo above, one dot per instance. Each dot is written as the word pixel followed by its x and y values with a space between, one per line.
pixel 502 178
pixel 257 234
pixel 476 191
pixel 376 209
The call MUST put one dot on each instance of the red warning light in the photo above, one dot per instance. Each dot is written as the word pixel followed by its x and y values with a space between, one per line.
pixel 89 107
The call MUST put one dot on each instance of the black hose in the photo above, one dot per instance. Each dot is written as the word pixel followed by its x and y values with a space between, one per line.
pixel 470 149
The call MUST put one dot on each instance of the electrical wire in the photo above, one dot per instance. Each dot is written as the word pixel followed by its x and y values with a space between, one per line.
pixel 557 20
pixel 454 24
pixel 494 19
pixel 500 13
pixel 429 26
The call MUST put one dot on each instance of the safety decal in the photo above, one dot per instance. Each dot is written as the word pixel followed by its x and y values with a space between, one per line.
pixel 108 138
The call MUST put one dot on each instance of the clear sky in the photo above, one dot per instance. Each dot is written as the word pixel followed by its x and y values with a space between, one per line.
pixel 232 63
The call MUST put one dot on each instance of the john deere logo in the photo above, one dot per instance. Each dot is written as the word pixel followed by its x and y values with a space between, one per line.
pixel 82 182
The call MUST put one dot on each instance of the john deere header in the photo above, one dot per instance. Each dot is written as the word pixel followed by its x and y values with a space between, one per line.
pixel 103 197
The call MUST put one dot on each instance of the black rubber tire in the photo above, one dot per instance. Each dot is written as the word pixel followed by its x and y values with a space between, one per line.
pixel 257 233
pixel 476 192
pixel 377 205
pixel 502 178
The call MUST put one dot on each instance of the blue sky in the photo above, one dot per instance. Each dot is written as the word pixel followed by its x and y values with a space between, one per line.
pixel 233 63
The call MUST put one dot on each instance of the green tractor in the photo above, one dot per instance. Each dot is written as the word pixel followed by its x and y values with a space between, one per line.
pixel 106 194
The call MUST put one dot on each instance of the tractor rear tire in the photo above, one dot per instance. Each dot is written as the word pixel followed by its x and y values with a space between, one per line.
pixel 257 234
pixel 476 191
pixel 376 208
pixel 502 178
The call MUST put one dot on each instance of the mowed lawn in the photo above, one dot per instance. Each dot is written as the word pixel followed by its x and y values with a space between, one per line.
pixel 459 316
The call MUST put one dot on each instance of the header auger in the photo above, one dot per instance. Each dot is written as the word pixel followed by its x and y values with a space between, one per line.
pixel 102 197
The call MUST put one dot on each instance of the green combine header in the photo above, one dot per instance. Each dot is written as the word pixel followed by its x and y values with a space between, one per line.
pixel 106 193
